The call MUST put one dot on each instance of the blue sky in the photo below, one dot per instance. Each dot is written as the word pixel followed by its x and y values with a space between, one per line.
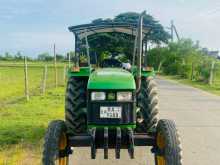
pixel 32 26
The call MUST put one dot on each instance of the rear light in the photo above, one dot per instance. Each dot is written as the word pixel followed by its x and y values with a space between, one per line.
pixel 75 69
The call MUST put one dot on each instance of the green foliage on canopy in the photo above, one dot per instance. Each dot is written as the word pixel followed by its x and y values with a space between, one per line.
pixel 123 43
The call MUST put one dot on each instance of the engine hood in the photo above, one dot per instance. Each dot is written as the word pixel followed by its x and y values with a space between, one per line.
pixel 111 78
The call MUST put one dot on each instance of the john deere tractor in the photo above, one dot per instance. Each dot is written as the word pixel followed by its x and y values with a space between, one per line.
pixel 110 104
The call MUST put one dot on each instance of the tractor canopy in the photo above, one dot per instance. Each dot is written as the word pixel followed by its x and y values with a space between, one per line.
pixel 111 78
pixel 81 31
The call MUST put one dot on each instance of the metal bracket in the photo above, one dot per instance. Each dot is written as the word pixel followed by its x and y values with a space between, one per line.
pixel 65 152
pixel 131 143
pixel 157 151
pixel 118 143
pixel 105 143
pixel 93 146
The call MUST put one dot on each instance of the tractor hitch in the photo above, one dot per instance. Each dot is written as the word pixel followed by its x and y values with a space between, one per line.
pixel 112 138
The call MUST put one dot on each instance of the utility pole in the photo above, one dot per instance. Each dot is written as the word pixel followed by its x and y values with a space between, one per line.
pixel 171 28
pixel 55 64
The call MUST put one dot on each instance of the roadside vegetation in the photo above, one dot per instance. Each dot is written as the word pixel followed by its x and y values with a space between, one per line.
pixel 23 125
pixel 185 62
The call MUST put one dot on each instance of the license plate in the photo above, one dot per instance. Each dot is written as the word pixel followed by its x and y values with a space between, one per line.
pixel 110 112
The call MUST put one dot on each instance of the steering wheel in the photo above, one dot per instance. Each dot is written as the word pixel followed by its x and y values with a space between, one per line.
pixel 111 63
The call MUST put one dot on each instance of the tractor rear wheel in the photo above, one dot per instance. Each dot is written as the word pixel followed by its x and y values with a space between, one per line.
pixel 168 148
pixel 75 106
pixel 147 111
pixel 55 142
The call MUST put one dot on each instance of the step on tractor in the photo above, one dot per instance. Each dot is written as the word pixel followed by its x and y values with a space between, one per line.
pixel 110 104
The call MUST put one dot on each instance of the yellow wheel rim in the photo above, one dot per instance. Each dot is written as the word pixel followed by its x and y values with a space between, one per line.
pixel 62 146
pixel 161 145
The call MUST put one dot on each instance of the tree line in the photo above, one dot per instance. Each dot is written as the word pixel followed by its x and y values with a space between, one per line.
pixel 185 59
pixel 40 57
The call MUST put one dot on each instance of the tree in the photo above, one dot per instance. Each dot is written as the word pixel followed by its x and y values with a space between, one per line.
pixel 8 56
pixel 60 57
pixel 18 56
pixel 45 57
pixel 123 43
pixel 157 34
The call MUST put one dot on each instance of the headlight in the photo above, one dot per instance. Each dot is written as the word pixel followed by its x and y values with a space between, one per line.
pixel 98 96
pixel 124 96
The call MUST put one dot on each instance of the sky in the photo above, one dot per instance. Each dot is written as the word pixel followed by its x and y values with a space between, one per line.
pixel 32 26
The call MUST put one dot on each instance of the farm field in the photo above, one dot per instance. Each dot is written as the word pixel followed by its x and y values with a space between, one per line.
pixel 23 125
pixel 12 79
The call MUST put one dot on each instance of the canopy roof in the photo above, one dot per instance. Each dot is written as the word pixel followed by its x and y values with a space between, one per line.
pixel 89 29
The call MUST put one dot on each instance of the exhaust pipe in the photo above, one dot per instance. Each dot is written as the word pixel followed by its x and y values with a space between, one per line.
pixel 139 50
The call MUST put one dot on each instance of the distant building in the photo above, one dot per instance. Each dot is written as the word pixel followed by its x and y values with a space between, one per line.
pixel 211 53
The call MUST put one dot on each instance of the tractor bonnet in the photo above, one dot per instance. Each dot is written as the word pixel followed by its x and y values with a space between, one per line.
pixel 111 78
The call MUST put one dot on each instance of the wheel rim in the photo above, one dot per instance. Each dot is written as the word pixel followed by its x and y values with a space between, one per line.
pixel 161 145
pixel 140 117
pixel 62 146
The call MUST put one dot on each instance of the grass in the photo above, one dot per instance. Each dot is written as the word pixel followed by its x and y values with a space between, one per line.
pixel 12 80
pixel 214 89
pixel 23 125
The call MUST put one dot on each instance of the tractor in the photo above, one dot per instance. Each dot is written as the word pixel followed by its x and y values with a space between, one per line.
pixel 110 104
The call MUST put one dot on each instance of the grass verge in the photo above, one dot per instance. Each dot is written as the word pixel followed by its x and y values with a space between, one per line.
pixel 23 125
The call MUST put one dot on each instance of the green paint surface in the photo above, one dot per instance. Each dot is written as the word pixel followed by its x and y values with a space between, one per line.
pixel 84 72
pixel 143 73
pixel 111 78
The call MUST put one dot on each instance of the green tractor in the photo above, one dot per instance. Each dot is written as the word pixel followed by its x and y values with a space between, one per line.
pixel 111 105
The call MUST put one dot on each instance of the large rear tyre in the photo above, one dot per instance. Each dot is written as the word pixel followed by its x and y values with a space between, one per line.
pixel 75 106
pixel 55 143
pixel 147 112
pixel 168 148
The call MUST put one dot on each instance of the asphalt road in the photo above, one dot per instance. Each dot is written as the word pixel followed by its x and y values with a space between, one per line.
pixel 197 115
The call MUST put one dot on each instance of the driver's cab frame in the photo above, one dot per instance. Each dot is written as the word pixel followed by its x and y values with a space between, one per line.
pixel 82 32
pixel 138 68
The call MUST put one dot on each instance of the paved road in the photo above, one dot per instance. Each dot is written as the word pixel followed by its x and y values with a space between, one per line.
pixel 197 115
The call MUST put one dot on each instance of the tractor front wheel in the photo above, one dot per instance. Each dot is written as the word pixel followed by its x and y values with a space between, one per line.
pixel 55 150
pixel 168 148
